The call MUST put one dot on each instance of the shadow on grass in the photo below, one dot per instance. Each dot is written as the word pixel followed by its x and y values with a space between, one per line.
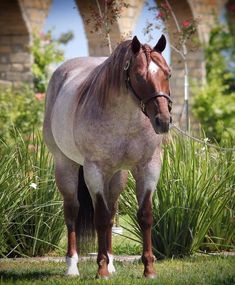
pixel 9 275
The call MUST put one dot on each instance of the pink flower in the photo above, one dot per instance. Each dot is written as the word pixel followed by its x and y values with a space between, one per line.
pixel 165 6
pixel 186 23
pixel 40 96
pixel 160 15
pixel 42 35
pixel 233 8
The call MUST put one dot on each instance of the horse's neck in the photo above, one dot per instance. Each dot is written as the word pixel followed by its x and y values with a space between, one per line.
pixel 125 107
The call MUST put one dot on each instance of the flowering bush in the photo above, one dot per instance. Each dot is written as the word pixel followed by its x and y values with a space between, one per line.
pixel 104 16
pixel 185 30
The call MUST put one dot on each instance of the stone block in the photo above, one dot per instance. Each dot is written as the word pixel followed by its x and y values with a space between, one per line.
pixel 3 75
pixel 17 48
pixel 17 67
pixel 27 77
pixel 23 39
pixel 5 49
pixel 5 40
pixel 4 58
pixel 5 67
pixel 20 57
pixel 13 76
pixel 5 83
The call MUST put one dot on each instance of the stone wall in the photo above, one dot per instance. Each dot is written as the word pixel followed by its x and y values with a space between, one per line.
pixel 15 59
pixel 18 19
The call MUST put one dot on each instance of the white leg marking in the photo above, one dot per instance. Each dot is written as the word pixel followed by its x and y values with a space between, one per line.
pixel 111 267
pixel 72 269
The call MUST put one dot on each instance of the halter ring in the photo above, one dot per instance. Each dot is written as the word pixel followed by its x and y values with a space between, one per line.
pixel 127 65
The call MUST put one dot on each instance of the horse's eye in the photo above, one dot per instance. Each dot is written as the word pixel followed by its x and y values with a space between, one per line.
pixel 139 77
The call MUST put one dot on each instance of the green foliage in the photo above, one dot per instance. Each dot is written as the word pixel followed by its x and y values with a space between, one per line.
pixel 31 215
pixel 45 51
pixel 215 110
pixel 194 200
pixel 214 103
pixel 21 108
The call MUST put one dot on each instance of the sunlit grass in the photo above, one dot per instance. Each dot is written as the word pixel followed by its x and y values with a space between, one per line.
pixel 196 270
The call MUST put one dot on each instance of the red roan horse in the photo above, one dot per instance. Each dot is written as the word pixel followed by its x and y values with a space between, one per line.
pixel 105 116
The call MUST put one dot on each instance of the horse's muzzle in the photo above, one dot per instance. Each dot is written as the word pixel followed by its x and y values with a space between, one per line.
pixel 161 125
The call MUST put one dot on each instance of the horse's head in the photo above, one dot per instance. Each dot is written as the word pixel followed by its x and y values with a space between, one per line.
pixel 148 79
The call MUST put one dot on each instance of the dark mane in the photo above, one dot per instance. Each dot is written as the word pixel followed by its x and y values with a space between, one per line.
pixel 105 80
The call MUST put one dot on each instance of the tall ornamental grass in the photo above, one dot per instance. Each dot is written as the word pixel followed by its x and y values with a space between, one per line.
pixel 194 204
pixel 31 215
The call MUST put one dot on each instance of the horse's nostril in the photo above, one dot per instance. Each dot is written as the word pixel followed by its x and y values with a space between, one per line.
pixel 162 126
pixel 157 121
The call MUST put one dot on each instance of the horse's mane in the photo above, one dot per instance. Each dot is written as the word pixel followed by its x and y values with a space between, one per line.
pixel 107 79
pixel 104 81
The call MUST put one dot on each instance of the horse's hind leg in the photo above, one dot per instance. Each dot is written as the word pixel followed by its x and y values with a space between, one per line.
pixel 116 185
pixel 66 174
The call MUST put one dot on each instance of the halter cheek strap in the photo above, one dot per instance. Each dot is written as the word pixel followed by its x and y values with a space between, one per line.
pixel 146 100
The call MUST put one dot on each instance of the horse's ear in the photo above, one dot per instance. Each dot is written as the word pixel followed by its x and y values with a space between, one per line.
pixel 161 44
pixel 135 45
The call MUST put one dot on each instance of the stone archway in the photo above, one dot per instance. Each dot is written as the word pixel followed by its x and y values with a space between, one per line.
pixel 15 60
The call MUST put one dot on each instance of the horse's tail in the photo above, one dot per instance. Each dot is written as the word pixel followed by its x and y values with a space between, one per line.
pixel 85 220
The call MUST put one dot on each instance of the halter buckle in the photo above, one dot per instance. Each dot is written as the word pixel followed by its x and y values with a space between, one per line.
pixel 127 65
pixel 142 106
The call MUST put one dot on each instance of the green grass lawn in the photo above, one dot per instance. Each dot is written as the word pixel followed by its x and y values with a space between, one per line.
pixel 200 270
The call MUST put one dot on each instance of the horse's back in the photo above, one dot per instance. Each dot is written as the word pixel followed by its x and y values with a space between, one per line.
pixel 77 69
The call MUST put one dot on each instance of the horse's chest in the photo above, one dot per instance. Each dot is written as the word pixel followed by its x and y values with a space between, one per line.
pixel 120 150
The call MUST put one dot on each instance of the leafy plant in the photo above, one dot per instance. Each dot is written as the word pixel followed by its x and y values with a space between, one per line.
pixel 191 202
pixel 21 108
pixel 30 206
pixel 45 51
pixel 214 103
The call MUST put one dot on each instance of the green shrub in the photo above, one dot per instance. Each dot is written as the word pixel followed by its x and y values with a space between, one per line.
pixel 21 108
pixel 214 103
pixel 45 51
pixel 31 214
pixel 193 200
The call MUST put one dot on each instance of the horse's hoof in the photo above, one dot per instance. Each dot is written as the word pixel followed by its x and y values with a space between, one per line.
pixel 150 276
pixel 102 277
pixel 74 273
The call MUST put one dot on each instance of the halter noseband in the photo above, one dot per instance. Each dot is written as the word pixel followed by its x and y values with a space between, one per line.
pixel 146 100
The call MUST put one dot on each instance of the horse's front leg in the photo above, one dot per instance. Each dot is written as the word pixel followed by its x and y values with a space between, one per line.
pixel 97 182
pixel 146 180
pixel 116 186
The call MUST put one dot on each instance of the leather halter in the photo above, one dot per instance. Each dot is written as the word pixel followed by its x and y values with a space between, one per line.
pixel 146 100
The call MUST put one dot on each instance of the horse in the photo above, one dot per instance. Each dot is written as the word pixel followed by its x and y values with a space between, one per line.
pixel 103 118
